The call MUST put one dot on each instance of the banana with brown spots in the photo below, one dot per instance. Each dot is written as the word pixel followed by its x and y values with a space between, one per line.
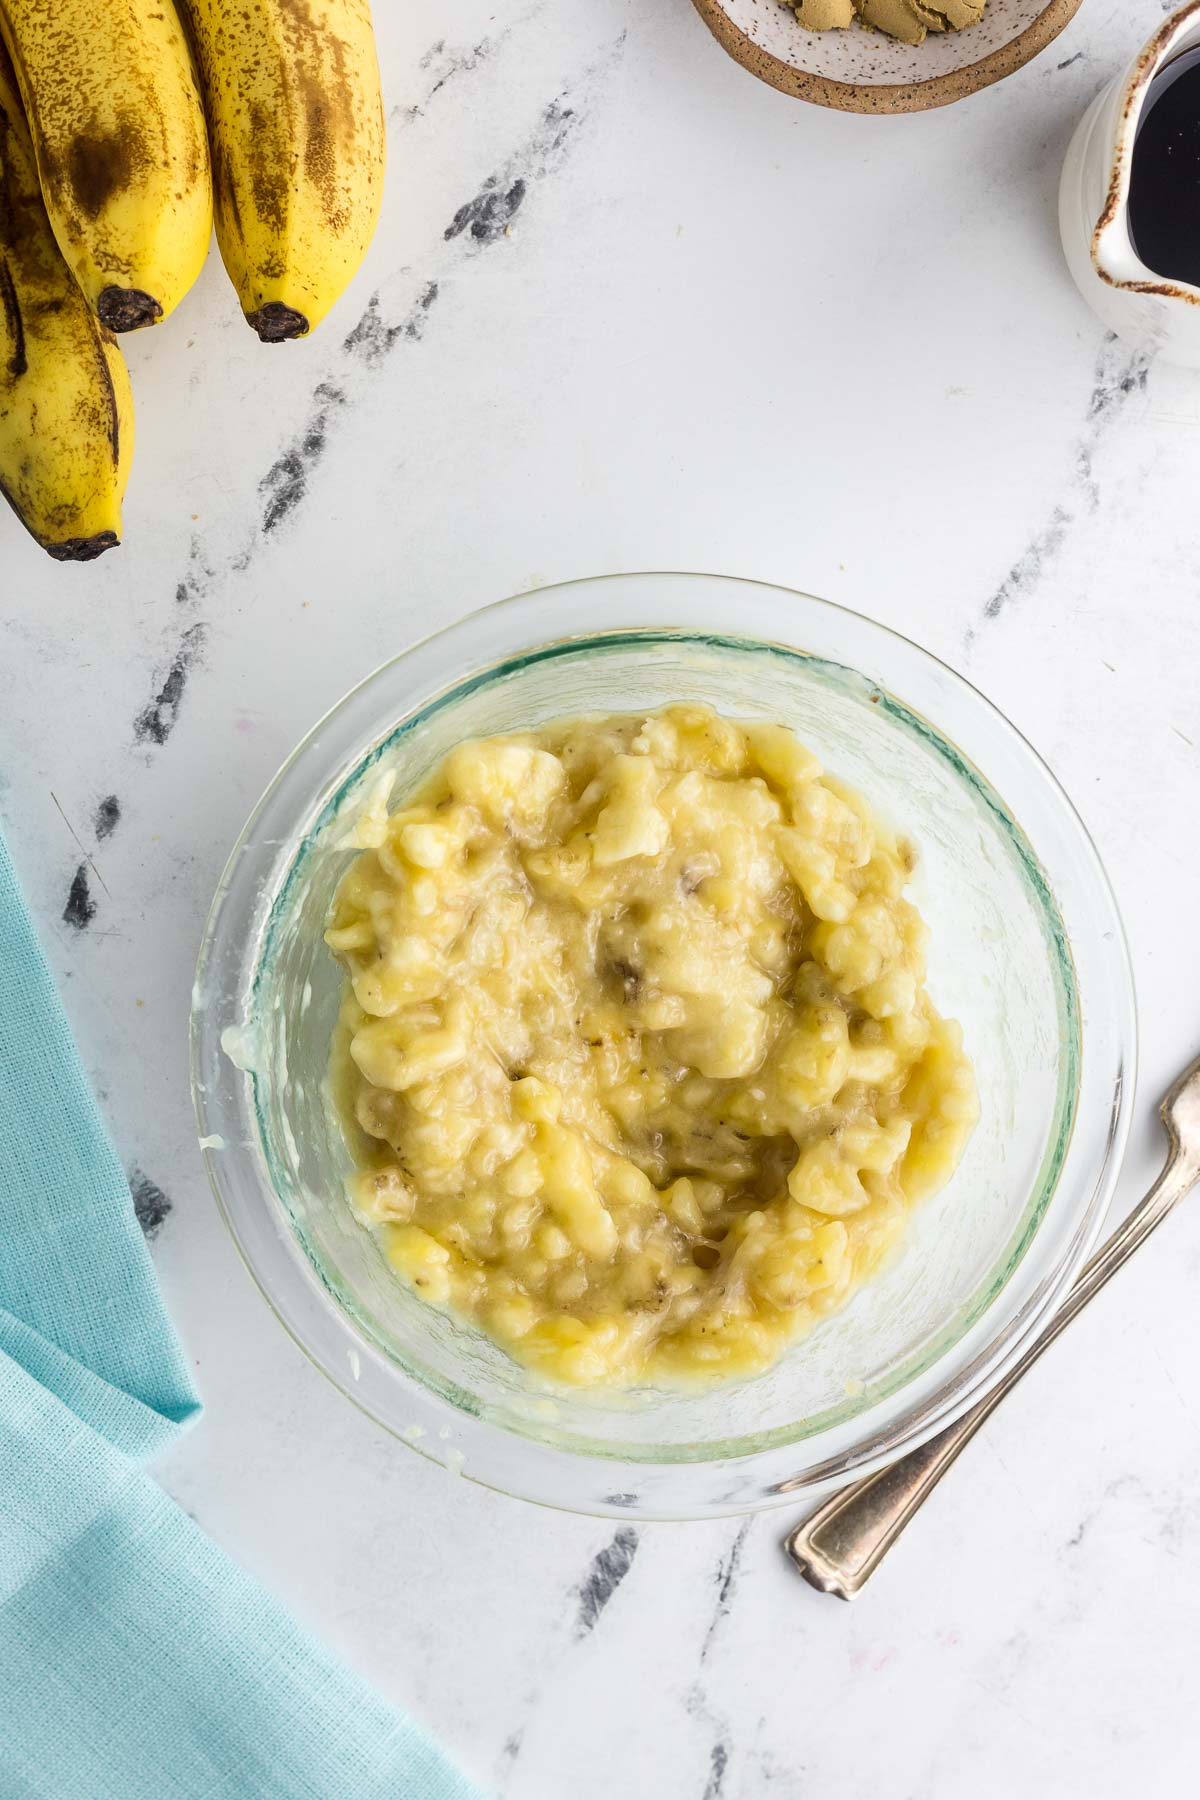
pixel 66 412
pixel 295 115
pixel 118 129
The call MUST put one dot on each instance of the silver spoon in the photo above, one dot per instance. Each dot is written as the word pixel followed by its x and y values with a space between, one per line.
pixel 840 1547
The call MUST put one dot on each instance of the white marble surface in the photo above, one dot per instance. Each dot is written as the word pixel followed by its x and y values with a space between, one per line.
pixel 730 332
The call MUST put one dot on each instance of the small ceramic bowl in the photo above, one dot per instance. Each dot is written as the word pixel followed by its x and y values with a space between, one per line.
pixel 864 71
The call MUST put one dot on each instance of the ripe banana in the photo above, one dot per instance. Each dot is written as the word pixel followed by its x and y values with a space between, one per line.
pixel 118 129
pixel 295 115
pixel 66 412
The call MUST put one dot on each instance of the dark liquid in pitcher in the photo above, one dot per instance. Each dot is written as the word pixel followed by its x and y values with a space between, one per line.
pixel 1164 187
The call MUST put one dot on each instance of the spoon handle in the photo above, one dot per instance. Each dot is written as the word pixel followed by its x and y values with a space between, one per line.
pixel 839 1548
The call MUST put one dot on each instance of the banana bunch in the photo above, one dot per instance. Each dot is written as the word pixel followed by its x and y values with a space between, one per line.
pixel 295 119
pixel 66 412
pixel 123 128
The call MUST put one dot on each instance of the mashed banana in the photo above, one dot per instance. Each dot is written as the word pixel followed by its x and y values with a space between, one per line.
pixel 635 1050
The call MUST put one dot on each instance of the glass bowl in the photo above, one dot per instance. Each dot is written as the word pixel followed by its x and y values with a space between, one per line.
pixel 1026 951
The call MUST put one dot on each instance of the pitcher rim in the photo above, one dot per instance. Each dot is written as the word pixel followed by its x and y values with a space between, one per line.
pixel 1140 76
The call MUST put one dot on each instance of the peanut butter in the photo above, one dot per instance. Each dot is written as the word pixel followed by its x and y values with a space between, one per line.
pixel 908 20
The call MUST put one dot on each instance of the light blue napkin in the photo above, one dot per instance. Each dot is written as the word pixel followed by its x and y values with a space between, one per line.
pixel 136 1661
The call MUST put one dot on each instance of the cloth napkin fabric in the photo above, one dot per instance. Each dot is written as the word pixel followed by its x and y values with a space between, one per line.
pixel 136 1661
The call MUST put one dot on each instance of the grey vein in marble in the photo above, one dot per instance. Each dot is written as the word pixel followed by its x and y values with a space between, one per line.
pixel 150 1204
pixel 1172 1514
pixel 511 1749
pixel 369 342
pixel 80 909
pixel 608 1570
pixel 444 62
pixel 1027 571
pixel 727 1579
pixel 718 1764
pixel 372 340
pixel 487 216
pixel 286 482
pixel 199 573
pixel 1117 378
pixel 698 1708
pixel 157 720
pixel 106 817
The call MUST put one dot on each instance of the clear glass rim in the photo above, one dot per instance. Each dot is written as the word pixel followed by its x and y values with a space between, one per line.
pixel 997 1277
pixel 336 1348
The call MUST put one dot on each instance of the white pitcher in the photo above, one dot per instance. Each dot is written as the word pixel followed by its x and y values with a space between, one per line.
pixel 1155 314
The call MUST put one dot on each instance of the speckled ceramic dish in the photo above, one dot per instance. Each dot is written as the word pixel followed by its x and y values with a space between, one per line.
pixel 863 71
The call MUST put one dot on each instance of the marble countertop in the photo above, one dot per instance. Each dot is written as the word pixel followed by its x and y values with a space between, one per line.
pixel 630 309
